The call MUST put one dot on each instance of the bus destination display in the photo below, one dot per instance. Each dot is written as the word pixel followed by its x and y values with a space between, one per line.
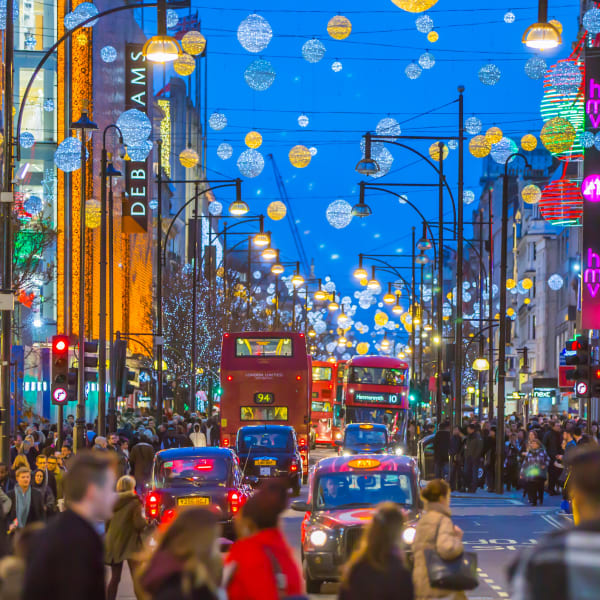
pixel 264 398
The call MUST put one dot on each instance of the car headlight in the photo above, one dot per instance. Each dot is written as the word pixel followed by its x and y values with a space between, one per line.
pixel 399 451
pixel 347 453
pixel 318 538
pixel 408 535
pixel 338 436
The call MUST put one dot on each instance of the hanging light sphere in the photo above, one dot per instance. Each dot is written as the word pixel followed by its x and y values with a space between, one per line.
pixel 33 205
pixel 49 105
pixel 184 65
pixel 558 135
pixel 562 203
pixel 529 142
pixel 215 208
pixel 493 135
pixel 303 120
pixel 339 27
pixel 531 194
pixel 260 75
pixel 388 126
pixel 424 24
pixel 313 50
pixel 509 17
pixel 313 151
pixel 433 36
pixel 468 197
pixel 586 139
pixel 591 20
pixel 300 156
pixel 434 151
pixel 415 6
pixel 503 149
pixel 555 282
pixel 217 121
pixel 193 42
pixel 135 127
pixel 527 283
pixel 27 139
pixel 381 318
pixel 251 163
pixel 535 67
pixel 481 364
pixel 67 157
pixel 108 54
pixel 172 18
pixel 489 74
pixel 253 139
pixel 413 71
pixel 362 348
pixel 139 153
pixel 472 125
pixel 566 77
pixel 427 60
pixel 339 214
pixel 510 284
pixel 92 213
pixel 189 158
pixel 276 210
pixel 336 66
pixel 254 33
pixel 453 144
pixel 87 10
pixel 224 151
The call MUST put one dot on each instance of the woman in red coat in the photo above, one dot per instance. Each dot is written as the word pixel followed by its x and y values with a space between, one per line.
pixel 260 565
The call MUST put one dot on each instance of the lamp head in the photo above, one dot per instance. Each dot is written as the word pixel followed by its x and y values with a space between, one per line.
pixel 238 208
pixel 269 253
pixel 389 298
pixel 421 259
pixel 320 295
pixel 277 269
pixel 542 36
pixel 297 280
pixel 360 273
pixel 367 166
pixel 361 210
pixel 161 49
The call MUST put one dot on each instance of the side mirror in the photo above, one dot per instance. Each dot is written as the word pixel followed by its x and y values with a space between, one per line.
pixel 339 443
pixel 299 505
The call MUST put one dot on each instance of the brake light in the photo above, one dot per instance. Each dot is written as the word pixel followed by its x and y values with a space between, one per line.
pixel 225 442
pixel 302 442
pixel 294 466
pixel 152 505
pixel 167 516
pixel 235 501
pixel 229 377
pixel 298 377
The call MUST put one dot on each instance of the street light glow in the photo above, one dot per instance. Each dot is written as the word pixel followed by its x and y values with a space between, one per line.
pixel 161 49
pixel 542 36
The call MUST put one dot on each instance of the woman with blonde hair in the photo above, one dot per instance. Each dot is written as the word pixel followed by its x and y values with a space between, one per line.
pixel 378 562
pixel 20 461
pixel 435 531
pixel 186 564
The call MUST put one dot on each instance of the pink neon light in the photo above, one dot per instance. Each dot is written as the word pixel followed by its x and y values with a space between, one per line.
pixel 590 188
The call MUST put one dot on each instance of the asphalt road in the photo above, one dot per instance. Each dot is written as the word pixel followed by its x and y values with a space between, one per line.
pixel 496 527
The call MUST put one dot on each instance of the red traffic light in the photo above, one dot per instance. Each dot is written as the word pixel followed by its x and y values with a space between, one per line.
pixel 60 344
pixel 573 345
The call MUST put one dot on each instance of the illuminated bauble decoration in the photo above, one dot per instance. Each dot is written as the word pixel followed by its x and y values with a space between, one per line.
pixel 555 282
pixel 529 142
pixel 172 18
pixel 67 156
pixel 153 204
pixel 225 151
pixel 591 20
pixel 108 54
pixel 193 42
pixel 510 284
pixel 557 24
pixel 300 156
pixel 313 151
pixel 433 36
pixel 276 210
pixel 453 144
pixel 184 65
pixel 381 318
pixel 510 312
pixel 531 194
pixel 260 75
pixel 566 77
pixel 413 71
pixel 426 60
pixel 503 149
pixel 384 159
pixel 217 121
pixel 27 139
pixel 303 120
pixel 254 33
pixel 434 151
pixel 81 38
pixel 339 214
pixel 135 127
pixel 139 153
pixel 535 67
pixel 313 50
pixel 253 139
pixel 509 17
pixel 586 139
pixel 362 348
pixel 493 135
pixel 250 163
pixel 92 213
pixel 87 10
pixel 388 126
pixel 472 125
pixel 597 141
pixel 489 74
pixel 468 197
pixel 424 24
pixel 189 158
pixel 49 105
pixel 3 13
pixel 33 205
pixel 339 27
pixel 562 203
pixel 215 208
pixel 336 66
pixel 558 135
pixel 527 283
pixel 415 6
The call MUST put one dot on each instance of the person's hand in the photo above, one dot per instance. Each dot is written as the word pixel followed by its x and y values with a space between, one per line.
pixel 458 532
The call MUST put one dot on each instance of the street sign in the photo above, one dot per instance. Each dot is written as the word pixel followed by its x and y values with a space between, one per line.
pixel 581 388
pixel 59 395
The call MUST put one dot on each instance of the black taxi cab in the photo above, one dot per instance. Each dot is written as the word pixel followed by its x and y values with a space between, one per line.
pixel 343 494
pixel 367 438
pixel 183 477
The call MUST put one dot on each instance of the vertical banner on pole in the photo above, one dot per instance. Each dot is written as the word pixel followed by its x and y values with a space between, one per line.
pixel 590 189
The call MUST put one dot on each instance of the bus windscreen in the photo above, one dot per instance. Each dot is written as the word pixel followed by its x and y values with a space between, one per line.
pixel 265 347
pixel 321 373
pixel 377 376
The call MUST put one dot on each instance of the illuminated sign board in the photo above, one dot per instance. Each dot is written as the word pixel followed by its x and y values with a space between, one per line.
pixel 590 189
pixel 137 93
pixel 544 392
pixel 376 398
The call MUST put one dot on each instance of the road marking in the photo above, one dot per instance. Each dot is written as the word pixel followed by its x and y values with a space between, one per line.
pixel 503 594
pixel 552 521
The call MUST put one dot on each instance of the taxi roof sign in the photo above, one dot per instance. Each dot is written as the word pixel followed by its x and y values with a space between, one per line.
pixel 366 426
pixel 364 463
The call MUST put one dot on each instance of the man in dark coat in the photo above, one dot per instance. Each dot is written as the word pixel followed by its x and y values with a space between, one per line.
pixel 552 442
pixel 67 561
pixel 27 505
pixel 472 453
pixel 441 448
pixel 141 458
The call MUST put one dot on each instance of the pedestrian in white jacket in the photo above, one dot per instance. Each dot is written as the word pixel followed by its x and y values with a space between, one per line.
pixel 197 437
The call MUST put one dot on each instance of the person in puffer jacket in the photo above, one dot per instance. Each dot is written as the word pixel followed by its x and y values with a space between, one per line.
pixel 534 471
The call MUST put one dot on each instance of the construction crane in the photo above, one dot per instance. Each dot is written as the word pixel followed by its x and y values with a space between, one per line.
pixel 290 215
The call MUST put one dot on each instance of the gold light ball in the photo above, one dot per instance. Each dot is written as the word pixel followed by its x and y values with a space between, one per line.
pixel 189 158
pixel 433 37
pixel 276 210
pixel 184 65
pixel 339 27
pixel 362 347
pixel 92 213
pixel 510 284
pixel 529 142
pixel 82 38
pixel 300 156
pixel 253 139
pixel 381 318
pixel 527 283
pixel 494 135
pixel 531 194
pixel 193 42
pixel 415 6
pixel 558 135
pixel 527 301
pixel 480 146
pixel 557 24
pixel 363 282
pixel 510 312
pixel 434 151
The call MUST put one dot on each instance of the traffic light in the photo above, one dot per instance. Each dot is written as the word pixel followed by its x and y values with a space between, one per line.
pixel 219 390
pixel 447 383
pixel 90 361
pixel 578 356
pixel 72 384
pixel 596 381
pixel 60 369
pixel 122 374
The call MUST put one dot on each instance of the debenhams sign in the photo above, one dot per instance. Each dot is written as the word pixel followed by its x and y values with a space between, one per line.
pixel 137 87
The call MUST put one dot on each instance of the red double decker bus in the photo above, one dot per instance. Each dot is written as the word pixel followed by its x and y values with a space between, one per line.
pixel 375 390
pixel 324 384
pixel 266 380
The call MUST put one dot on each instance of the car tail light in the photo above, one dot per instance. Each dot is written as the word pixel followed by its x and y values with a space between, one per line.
pixel 167 516
pixel 293 466
pixel 235 500
pixel 298 377
pixel 229 377
pixel 225 442
pixel 302 443
pixel 152 505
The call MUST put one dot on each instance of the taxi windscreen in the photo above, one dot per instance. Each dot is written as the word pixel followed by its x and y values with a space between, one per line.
pixel 355 436
pixel 338 490
pixel 191 470
pixel 265 440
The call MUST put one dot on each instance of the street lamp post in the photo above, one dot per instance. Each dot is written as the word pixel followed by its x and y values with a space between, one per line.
pixel 440 283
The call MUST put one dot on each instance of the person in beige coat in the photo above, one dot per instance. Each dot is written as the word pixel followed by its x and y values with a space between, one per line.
pixel 435 530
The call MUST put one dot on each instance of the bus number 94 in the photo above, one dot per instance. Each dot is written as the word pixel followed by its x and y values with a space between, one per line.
pixel 264 398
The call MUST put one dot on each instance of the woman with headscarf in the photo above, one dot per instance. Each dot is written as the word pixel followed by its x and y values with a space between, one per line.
pixel 48 500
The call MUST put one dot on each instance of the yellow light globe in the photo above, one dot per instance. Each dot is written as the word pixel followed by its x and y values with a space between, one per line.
pixel 558 135
pixel 415 6
pixel 300 156
pixel 529 142
pixel 531 194
pixel 510 312
pixel 480 146
pixel 381 318
pixel 510 284
pixel 434 151
pixel 276 210
pixel 253 139
pixel 557 24
pixel 433 37
pixel 184 65
pixel 339 27
pixel 92 213
pixel 494 135
pixel 362 348
pixel 193 42
pixel 527 283
pixel 189 158
pixel 363 281
pixel 527 301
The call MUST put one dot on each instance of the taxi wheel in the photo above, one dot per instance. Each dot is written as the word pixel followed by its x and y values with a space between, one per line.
pixel 313 586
